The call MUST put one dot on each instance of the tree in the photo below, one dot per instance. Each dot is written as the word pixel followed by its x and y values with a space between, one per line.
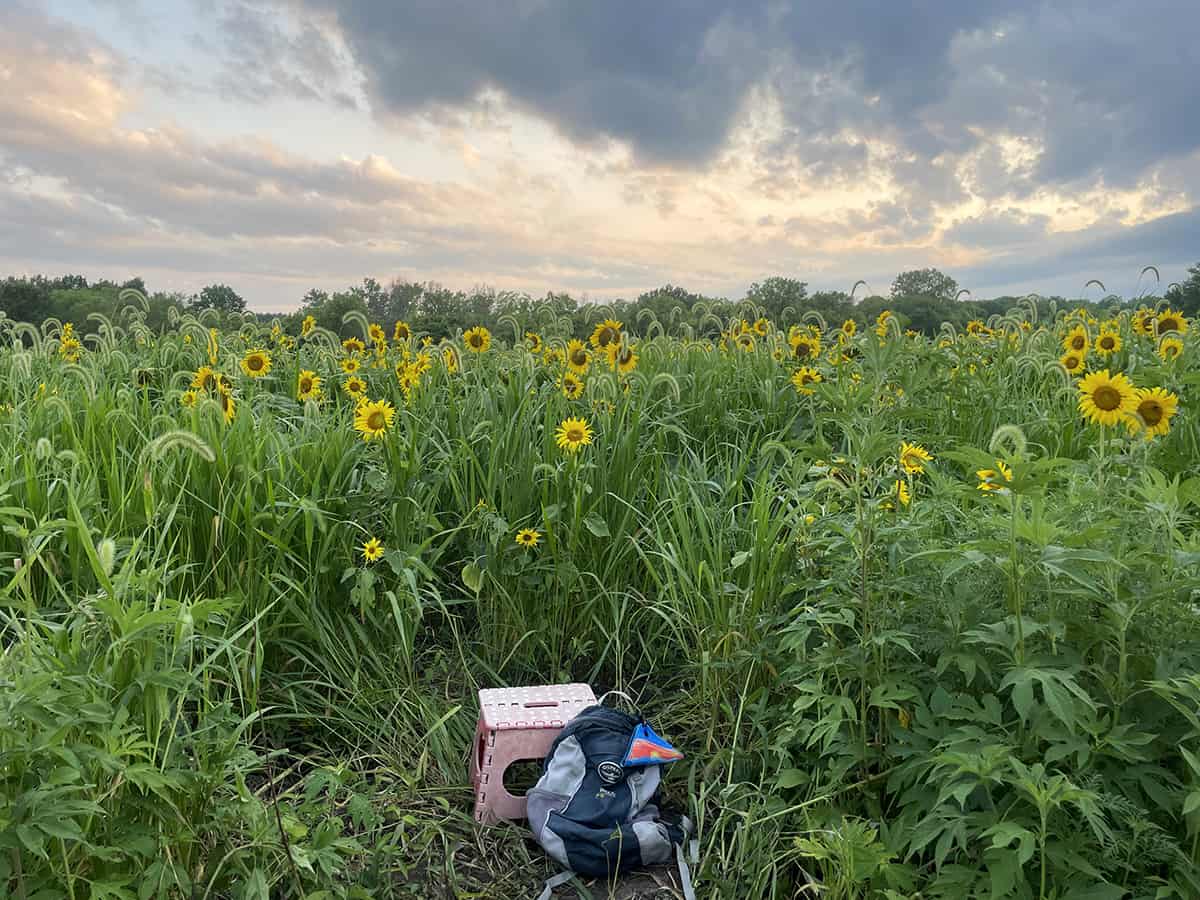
pixel 220 297
pixel 775 294
pixel 1186 296
pixel 924 283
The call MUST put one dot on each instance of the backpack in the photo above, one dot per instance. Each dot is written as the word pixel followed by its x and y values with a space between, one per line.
pixel 595 809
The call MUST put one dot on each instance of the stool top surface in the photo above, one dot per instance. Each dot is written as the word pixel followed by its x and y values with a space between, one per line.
pixel 535 706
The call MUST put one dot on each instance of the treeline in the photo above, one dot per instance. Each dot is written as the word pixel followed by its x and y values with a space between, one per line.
pixel 921 299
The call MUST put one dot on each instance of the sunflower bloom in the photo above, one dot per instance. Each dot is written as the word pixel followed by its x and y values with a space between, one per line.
pixel 354 387
pixel 913 458
pixel 205 379
pixel 805 347
pixel 1076 339
pixel 991 480
pixel 577 356
pixel 1073 362
pixel 572 386
pixel 308 386
pixel 450 360
pixel 377 334
pixel 401 331
pixel 1108 342
pixel 228 405
pixel 373 418
pixel 804 378
pixel 350 365
pixel 1106 399
pixel 527 538
pixel 533 341
pixel 572 434
pixel 353 345
pixel 762 327
pixel 1171 321
pixel 477 339
pixel 902 493
pixel 606 333
pixel 189 398
pixel 307 326
pixel 849 328
pixel 1155 407
pixel 1144 321
pixel 745 342
pixel 256 363
pixel 1170 348
pixel 372 550
pixel 623 359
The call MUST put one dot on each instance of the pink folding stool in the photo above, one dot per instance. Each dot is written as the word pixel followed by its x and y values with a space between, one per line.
pixel 517 724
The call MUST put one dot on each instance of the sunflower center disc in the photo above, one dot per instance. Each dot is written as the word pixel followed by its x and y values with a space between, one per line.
pixel 375 422
pixel 1151 413
pixel 1107 398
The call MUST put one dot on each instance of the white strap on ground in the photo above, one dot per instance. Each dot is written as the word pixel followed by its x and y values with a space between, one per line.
pixel 554 881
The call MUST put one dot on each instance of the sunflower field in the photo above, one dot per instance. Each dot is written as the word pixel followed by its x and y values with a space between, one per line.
pixel 920 611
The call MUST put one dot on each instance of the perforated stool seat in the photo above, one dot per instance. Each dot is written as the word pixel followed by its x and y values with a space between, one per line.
pixel 517 724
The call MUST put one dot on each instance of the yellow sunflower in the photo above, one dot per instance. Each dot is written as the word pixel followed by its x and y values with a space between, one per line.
pixel 533 341
pixel 804 346
pixel 577 356
pixel 1144 321
pixel 1073 362
pixel 308 386
pixel 849 328
pixel 477 339
pixel 902 493
pixel 881 323
pixel 1108 342
pixel 307 326
pixel 1171 320
pixel 623 359
pixel 1170 348
pixel 913 458
pixel 401 331
pixel 450 359
pixel 1076 339
pixel 572 386
pixel 372 550
pixel 977 327
pixel 572 434
pixel 745 341
pixel 350 365
pixel 354 386
pixel 228 405
pixel 377 334
pixel 353 345
pixel 1155 407
pixel 762 327
pixel 256 363
pixel 204 378
pixel 189 398
pixel 373 418
pixel 554 356
pixel 606 333
pixel 1106 399
pixel 803 379
pixel 527 538
pixel 993 479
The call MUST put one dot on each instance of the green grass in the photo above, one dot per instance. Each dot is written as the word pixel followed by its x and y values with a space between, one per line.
pixel 208 693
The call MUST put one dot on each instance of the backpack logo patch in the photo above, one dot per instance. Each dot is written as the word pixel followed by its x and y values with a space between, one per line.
pixel 610 772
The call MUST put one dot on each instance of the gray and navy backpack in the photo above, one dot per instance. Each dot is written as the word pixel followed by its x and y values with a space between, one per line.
pixel 595 809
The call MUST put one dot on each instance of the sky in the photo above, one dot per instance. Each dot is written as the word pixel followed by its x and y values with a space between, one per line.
pixel 601 148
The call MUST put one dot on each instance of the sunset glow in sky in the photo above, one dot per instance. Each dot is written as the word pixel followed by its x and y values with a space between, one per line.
pixel 598 148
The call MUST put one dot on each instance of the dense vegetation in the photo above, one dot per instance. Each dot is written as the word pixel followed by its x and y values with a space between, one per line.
pixel 920 610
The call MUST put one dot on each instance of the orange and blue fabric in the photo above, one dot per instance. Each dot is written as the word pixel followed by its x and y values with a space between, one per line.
pixel 646 748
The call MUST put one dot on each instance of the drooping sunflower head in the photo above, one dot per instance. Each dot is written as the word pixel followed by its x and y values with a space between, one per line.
pixel 577 356
pixel 913 458
pixel 401 331
pixel 1153 413
pixel 353 345
pixel 373 418
pixel 527 538
pixel 354 387
pixel 572 434
pixel 1076 339
pixel 1170 348
pixel 477 339
pixel 533 341
pixel 450 359
pixel 804 378
pixel 1108 342
pixel 1106 399
pixel 372 550
pixel 1172 321
pixel 308 386
pixel 902 492
pixel 1073 362
pixel 205 379
pixel 572 386
pixel 228 404
pixel 996 479
pixel 607 332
